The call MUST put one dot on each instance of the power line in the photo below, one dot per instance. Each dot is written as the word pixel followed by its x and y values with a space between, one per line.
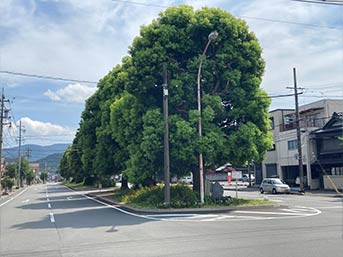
pixel 45 77
pixel 239 16
pixel 324 2
pixel 290 22
pixel 143 4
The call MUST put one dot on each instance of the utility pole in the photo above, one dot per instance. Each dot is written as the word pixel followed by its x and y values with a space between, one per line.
pixel 19 184
pixel 297 123
pixel 1 125
pixel 166 167
pixel 3 115
pixel 28 154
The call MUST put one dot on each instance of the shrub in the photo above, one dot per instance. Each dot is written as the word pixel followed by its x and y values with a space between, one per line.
pixel 181 197
pixel 89 181
pixel 107 182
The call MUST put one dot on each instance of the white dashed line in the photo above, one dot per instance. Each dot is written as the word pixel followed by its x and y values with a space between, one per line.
pixel 52 219
pixel 49 205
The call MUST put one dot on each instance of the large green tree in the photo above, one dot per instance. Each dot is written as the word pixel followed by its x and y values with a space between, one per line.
pixel 235 108
pixel 121 129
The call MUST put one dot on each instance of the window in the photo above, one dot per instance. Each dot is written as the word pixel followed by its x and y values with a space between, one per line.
pixel 292 145
pixel 337 171
pixel 272 125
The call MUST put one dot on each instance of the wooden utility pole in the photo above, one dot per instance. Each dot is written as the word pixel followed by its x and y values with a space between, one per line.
pixel 19 184
pixel 3 115
pixel 166 168
pixel 1 126
pixel 297 123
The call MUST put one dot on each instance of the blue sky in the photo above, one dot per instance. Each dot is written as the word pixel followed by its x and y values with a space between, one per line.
pixel 84 39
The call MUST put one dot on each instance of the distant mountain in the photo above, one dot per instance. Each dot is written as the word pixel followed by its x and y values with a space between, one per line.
pixel 34 152
pixel 50 163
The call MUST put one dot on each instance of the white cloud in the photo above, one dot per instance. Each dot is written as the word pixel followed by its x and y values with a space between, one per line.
pixel 84 39
pixel 45 133
pixel 85 44
pixel 73 93
pixel 314 51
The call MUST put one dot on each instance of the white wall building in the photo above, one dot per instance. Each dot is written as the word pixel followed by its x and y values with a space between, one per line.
pixel 282 160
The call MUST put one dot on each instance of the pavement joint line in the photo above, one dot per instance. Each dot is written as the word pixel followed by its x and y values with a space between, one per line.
pixel 52 218
pixel 14 197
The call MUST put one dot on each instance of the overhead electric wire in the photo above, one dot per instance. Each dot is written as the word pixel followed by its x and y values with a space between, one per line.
pixel 290 22
pixel 46 77
pixel 139 3
pixel 239 16
pixel 325 2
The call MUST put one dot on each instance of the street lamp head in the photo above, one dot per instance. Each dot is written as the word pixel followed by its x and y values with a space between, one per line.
pixel 213 36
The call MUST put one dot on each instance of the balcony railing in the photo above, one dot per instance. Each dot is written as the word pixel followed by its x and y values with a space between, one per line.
pixel 317 123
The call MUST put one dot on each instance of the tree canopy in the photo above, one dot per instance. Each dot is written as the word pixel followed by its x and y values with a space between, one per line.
pixel 121 128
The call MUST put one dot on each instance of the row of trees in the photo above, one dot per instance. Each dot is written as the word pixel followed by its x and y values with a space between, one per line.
pixel 121 128
pixel 11 175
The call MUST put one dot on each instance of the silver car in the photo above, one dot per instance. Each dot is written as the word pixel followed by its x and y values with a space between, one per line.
pixel 274 185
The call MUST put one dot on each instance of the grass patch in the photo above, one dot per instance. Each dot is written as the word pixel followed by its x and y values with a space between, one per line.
pixel 78 186
pixel 181 197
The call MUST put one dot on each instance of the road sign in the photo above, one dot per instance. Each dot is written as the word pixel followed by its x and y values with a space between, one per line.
pixel 236 174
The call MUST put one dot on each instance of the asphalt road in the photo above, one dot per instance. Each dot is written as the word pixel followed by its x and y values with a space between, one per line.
pixel 51 220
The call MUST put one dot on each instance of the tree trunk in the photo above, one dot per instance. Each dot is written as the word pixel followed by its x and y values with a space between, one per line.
pixel 196 181
pixel 124 183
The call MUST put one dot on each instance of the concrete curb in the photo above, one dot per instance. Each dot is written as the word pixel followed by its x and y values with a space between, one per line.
pixel 181 210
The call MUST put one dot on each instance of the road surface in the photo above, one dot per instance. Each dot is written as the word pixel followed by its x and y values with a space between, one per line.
pixel 51 220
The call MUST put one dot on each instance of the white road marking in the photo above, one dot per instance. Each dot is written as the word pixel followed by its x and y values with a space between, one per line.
pixel 49 205
pixel 69 198
pixel 14 197
pixel 26 201
pixel 114 207
pixel 307 211
pixel 330 207
pixel 48 199
pixel 171 215
pixel 52 218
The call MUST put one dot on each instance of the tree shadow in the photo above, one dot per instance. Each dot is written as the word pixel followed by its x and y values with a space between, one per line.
pixel 106 217
pixel 56 203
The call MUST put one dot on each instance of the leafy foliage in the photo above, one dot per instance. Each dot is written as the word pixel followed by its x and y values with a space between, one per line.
pixel 121 128
pixel 181 197
pixel 12 170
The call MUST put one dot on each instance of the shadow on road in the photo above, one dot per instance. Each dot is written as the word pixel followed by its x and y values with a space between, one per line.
pixel 101 216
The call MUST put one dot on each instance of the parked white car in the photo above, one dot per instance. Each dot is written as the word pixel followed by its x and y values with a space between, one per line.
pixel 274 185
pixel 187 179
pixel 245 178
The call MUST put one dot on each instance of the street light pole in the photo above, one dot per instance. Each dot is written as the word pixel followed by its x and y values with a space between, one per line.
pixel 211 37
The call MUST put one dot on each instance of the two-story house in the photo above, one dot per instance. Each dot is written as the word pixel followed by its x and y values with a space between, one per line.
pixel 282 160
